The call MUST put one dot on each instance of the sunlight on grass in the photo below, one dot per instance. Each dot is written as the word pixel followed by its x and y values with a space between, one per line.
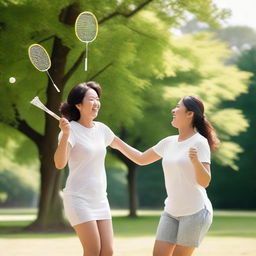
pixel 144 225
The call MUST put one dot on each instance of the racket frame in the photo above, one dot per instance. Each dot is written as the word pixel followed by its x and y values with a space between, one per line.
pixel 96 26
pixel 45 70
pixel 32 45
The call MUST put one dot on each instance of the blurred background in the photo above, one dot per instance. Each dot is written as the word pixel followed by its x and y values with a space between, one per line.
pixel 148 54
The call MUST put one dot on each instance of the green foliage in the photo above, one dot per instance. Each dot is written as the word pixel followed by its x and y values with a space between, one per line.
pixel 117 188
pixel 17 193
pixel 151 188
pixel 19 182
pixel 122 43
pixel 142 68
pixel 238 189
pixel 247 62
pixel 206 75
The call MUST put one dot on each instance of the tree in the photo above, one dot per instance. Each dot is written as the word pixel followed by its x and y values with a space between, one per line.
pixel 18 183
pixel 114 65
pixel 239 187
pixel 239 38
pixel 193 74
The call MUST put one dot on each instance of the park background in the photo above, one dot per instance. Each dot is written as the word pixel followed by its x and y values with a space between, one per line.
pixel 148 54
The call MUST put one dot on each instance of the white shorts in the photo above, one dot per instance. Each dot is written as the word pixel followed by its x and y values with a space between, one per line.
pixel 79 210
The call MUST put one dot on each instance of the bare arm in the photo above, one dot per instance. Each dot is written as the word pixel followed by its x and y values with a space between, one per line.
pixel 61 155
pixel 202 170
pixel 133 154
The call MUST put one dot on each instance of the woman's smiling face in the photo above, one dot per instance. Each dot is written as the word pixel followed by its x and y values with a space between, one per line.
pixel 90 105
pixel 181 117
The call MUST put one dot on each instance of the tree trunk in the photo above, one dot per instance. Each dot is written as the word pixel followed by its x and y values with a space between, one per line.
pixel 50 216
pixel 132 184
pixel 132 188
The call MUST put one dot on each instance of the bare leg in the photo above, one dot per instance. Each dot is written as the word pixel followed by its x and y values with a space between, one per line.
pixel 163 248
pixel 90 238
pixel 183 250
pixel 106 237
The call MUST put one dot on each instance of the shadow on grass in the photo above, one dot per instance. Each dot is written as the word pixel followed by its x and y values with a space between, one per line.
pixel 19 229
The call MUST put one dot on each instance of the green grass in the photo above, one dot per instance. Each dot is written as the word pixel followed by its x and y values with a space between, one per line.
pixel 141 226
pixel 238 226
pixel 18 211
pixel 145 225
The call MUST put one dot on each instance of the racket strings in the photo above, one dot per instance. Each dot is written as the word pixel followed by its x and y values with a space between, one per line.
pixel 39 58
pixel 86 27
pixel 36 102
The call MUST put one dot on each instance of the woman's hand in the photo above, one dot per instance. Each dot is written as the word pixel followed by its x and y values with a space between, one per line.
pixel 61 155
pixel 133 154
pixel 193 155
pixel 202 170
pixel 64 126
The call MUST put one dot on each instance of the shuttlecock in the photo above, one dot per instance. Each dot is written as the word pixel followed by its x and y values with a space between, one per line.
pixel 12 80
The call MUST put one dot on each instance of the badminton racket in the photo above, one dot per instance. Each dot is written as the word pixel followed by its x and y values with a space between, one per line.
pixel 36 102
pixel 40 60
pixel 86 29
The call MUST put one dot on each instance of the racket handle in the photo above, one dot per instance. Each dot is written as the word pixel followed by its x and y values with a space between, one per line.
pixel 57 89
pixel 55 116
pixel 85 64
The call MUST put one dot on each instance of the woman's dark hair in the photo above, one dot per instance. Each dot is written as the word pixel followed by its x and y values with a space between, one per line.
pixel 68 109
pixel 200 122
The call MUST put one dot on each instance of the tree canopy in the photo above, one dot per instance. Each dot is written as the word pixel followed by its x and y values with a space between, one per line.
pixel 139 63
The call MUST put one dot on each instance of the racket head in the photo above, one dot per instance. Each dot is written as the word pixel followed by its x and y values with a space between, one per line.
pixel 39 57
pixel 86 27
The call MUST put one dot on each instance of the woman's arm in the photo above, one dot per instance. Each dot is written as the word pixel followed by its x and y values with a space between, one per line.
pixel 61 155
pixel 133 154
pixel 202 170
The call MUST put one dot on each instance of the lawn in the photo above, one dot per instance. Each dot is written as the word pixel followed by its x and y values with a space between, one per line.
pixel 232 234
pixel 226 224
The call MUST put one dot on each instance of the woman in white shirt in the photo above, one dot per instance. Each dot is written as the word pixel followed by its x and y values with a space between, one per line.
pixel 82 143
pixel 187 214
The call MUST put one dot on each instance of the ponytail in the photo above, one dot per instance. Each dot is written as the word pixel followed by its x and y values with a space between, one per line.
pixel 200 121
pixel 70 112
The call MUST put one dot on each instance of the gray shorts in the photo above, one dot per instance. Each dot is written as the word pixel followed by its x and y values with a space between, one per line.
pixel 185 230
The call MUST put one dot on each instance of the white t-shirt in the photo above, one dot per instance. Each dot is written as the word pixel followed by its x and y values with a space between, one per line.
pixel 87 175
pixel 184 195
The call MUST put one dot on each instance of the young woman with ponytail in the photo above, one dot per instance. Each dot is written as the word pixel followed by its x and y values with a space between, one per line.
pixel 186 162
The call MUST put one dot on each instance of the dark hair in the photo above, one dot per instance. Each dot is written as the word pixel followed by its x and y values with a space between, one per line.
pixel 68 109
pixel 200 121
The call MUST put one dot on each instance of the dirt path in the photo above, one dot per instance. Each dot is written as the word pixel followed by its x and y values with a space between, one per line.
pixel 142 246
